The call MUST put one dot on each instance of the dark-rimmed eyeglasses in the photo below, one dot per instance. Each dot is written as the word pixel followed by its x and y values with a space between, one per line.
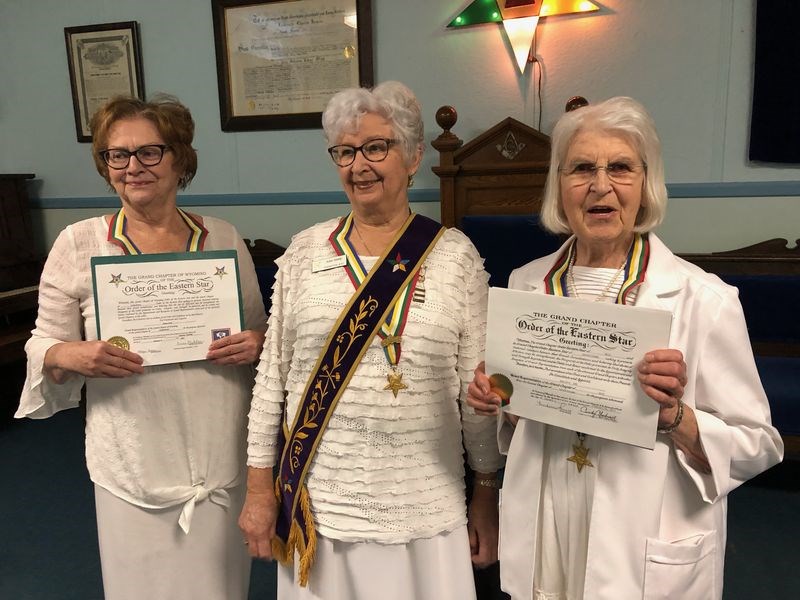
pixel 119 158
pixel 619 172
pixel 374 151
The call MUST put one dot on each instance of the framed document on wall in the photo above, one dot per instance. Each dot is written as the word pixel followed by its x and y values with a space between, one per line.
pixel 280 61
pixel 104 61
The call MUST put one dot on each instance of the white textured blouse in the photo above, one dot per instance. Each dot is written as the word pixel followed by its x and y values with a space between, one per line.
pixel 389 469
pixel 568 494
pixel 173 435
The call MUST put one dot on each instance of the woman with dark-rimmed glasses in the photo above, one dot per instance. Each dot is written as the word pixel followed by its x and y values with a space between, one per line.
pixel 165 443
pixel 377 320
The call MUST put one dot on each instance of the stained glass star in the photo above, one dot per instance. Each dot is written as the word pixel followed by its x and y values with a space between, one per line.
pixel 519 18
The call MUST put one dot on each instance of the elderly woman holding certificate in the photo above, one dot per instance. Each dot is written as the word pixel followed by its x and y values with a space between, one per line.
pixel 165 444
pixel 378 321
pixel 584 517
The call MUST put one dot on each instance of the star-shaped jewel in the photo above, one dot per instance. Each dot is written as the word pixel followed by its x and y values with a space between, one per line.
pixel 395 384
pixel 116 279
pixel 398 263
pixel 580 458
pixel 220 272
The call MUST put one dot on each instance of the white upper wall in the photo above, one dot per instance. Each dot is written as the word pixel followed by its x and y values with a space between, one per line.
pixel 689 62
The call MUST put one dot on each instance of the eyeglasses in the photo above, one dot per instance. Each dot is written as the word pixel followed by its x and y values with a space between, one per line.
pixel 619 172
pixel 119 158
pixel 374 151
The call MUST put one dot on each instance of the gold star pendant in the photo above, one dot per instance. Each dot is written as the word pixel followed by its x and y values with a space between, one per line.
pixel 580 458
pixel 395 384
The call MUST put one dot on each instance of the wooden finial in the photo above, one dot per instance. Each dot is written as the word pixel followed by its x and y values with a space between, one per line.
pixel 447 141
pixel 446 117
pixel 576 102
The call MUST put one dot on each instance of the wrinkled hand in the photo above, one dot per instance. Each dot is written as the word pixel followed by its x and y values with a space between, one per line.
pixel 257 522
pixel 479 393
pixel 662 376
pixel 91 359
pixel 482 526
pixel 242 348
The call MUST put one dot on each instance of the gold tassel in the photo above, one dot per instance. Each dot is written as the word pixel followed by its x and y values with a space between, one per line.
pixel 285 552
pixel 308 553
pixel 282 552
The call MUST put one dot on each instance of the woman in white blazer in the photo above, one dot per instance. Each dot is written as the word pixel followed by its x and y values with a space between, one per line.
pixel 588 518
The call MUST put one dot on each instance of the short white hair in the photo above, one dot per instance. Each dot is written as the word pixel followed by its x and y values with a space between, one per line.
pixel 391 100
pixel 620 116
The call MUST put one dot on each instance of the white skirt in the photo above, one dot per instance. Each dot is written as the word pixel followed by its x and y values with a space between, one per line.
pixel 437 568
pixel 145 554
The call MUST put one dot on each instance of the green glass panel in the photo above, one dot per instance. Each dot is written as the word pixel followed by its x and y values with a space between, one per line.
pixel 480 11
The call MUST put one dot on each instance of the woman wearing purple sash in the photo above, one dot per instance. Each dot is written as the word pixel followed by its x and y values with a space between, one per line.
pixel 378 320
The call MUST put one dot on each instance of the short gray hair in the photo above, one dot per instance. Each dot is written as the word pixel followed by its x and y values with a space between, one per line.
pixel 391 100
pixel 620 116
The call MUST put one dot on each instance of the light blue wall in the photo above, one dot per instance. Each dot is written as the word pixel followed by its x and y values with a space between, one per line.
pixel 689 62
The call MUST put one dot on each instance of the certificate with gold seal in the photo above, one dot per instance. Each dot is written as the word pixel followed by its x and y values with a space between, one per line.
pixel 573 363
pixel 167 308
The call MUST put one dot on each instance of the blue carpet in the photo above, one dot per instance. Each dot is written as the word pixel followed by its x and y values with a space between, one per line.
pixel 48 547
pixel 48 533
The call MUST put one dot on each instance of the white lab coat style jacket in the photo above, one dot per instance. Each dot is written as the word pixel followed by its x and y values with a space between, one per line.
pixel 658 526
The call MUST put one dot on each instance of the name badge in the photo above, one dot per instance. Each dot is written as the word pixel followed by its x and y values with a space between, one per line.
pixel 328 263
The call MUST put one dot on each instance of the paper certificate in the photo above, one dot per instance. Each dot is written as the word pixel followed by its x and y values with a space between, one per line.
pixel 167 308
pixel 572 363
pixel 290 57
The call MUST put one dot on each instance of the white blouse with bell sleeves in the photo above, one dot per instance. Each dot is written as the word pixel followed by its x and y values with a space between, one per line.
pixel 389 469
pixel 172 436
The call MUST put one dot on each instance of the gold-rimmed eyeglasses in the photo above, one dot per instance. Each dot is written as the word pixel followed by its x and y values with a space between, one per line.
pixel 621 172
pixel 119 158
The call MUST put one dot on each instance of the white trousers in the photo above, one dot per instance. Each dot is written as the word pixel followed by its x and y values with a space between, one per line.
pixel 437 568
pixel 145 555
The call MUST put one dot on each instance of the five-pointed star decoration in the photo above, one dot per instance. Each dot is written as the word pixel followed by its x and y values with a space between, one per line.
pixel 398 263
pixel 581 456
pixel 395 379
pixel 519 18
pixel 116 279
pixel 220 272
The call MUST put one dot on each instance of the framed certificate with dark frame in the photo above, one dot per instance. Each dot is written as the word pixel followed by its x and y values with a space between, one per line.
pixel 280 61
pixel 104 61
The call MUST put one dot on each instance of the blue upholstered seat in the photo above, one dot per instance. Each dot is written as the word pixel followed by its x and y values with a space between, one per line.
pixel 507 242
pixel 266 277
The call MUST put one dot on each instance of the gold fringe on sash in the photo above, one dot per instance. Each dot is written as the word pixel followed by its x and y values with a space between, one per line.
pixel 285 552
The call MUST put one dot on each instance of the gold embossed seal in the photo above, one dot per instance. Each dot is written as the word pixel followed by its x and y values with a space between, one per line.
pixel 502 386
pixel 119 342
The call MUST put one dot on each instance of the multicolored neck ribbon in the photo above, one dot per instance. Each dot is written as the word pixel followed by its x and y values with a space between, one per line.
pixel 555 281
pixel 118 234
pixel 391 331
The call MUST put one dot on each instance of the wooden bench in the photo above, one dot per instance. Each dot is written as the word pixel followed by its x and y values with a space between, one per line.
pixel 768 277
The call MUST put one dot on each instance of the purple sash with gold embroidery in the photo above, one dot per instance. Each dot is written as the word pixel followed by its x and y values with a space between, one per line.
pixel 347 343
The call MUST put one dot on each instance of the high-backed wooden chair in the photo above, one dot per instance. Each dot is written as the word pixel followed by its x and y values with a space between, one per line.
pixel 500 172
